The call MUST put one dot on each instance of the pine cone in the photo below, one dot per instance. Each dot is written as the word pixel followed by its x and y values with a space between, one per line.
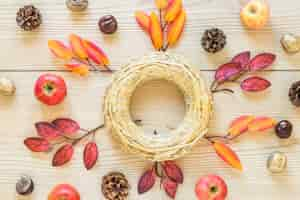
pixel 294 93
pixel 213 40
pixel 115 186
pixel 29 17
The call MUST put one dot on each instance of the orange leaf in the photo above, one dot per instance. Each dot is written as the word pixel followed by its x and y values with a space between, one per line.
pixel 228 155
pixel 77 46
pixel 175 29
pixel 161 4
pixel 95 53
pixel 80 69
pixel 156 31
pixel 173 10
pixel 261 124
pixel 143 20
pixel 240 125
pixel 60 50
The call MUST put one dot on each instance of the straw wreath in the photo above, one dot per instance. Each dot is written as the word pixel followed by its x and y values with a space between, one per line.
pixel 158 66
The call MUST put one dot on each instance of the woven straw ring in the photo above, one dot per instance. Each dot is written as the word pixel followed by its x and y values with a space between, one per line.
pixel 158 66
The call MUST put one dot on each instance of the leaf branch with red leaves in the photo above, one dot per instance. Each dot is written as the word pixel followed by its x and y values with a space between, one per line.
pixel 61 132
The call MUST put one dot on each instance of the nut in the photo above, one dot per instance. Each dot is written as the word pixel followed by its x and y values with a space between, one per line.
pixel 108 24
pixel 290 43
pixel 277 162
pixel 7 86
pixel 77 5
pixel 24 185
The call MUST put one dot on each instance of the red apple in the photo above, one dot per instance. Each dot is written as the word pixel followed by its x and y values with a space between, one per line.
pixel 255 14
pixel 50 89
pixel 64 192
pixel 211 187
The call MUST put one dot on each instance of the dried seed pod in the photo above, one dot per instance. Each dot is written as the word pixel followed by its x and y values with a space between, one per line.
pixel 115 186
pixel 290 43
pixel 277 162
pixel 77 5
pixel 7 86
pixel 25 185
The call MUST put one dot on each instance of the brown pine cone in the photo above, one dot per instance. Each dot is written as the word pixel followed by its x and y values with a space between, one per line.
pixel 294 93
pixel 213 40
pixel 115 186
pixel 29 17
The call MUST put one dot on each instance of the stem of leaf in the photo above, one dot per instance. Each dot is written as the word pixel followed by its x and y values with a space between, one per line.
pixel 95 68
pixel 222 90
pixel 93 131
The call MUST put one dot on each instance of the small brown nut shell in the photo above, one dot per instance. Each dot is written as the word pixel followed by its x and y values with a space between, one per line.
pixel 277 162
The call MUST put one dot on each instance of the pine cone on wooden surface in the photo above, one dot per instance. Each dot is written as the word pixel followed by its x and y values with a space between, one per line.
pixel 213 40
pixel 29 17
pixel 115 186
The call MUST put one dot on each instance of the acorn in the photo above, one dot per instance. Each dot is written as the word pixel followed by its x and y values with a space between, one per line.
pixel 7 86
pixel 25 185
pixel 277 162
pixel 290 43
pixel 77 5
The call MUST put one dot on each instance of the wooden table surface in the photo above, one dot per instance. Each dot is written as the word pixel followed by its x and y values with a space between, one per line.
pixel 24 56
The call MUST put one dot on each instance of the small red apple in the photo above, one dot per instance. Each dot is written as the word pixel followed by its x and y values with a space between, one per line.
pixel 255 14
pixel 50 89
pixel 211 187
pixel 64 192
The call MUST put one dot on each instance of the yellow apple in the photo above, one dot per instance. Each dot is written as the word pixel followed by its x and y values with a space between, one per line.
pixel 255 14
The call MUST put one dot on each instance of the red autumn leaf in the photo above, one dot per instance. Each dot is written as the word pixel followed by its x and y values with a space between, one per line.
pixel 261 61
pixel 47 130
pixel 63 155
pixel 255 84
pixel 37 144
pixel 242 58
pixel 173 171
pixel 90 155
pixel 146 181
pixel 66 125
pixel 228 71
pixel 170 187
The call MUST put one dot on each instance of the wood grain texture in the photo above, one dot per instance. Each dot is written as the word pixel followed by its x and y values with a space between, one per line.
pixel 24 56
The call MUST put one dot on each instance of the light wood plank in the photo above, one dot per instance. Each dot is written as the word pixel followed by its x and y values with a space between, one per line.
pixel 24 56
pixel 84 104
